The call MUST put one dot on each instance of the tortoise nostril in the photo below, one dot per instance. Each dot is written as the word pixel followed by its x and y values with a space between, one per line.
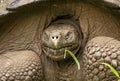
pixel 55 37
pixel 52 37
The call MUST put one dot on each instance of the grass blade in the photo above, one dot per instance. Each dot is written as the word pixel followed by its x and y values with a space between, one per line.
pixel 65 54
pixel 112 69
pixel 73 56
pixel 119 80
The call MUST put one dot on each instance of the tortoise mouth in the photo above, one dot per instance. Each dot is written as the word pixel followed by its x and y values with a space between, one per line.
pixel 58 53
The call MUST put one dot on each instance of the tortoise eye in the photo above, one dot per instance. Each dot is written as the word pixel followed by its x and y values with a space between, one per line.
pixel 45 37
pixel 68 36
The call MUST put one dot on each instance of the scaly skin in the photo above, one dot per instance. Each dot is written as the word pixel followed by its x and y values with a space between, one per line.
pixel 21 53
pixel 20 66
pixel 98 50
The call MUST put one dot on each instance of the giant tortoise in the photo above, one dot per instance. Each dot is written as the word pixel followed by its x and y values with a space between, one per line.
pixel 34 35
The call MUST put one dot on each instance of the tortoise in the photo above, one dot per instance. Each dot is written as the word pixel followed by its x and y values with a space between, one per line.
pixel 34 35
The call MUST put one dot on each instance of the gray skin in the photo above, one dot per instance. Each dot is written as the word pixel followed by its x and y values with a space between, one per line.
pixel 32 45
pixel 60 36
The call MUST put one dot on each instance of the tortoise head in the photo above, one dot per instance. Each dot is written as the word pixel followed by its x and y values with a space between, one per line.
pixel 58 37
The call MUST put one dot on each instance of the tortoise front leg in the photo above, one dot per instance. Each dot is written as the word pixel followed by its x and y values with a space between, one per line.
pixel 20 66
pixel 101 49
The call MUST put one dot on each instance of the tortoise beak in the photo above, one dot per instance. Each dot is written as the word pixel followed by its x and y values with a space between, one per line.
pixel 55 44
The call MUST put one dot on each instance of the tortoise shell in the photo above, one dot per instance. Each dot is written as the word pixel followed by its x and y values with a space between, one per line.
pixel 9 6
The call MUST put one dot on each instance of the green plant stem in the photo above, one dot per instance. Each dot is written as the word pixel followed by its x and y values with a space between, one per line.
pixel 113 70
pixel 73 56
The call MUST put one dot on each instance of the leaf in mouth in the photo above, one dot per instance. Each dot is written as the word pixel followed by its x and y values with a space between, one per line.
pixel 73 56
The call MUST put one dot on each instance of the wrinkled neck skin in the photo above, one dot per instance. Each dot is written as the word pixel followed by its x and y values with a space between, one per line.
pixel 63 69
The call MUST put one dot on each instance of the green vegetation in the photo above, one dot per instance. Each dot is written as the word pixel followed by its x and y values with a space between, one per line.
pixel 113 70
pixel 73 56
